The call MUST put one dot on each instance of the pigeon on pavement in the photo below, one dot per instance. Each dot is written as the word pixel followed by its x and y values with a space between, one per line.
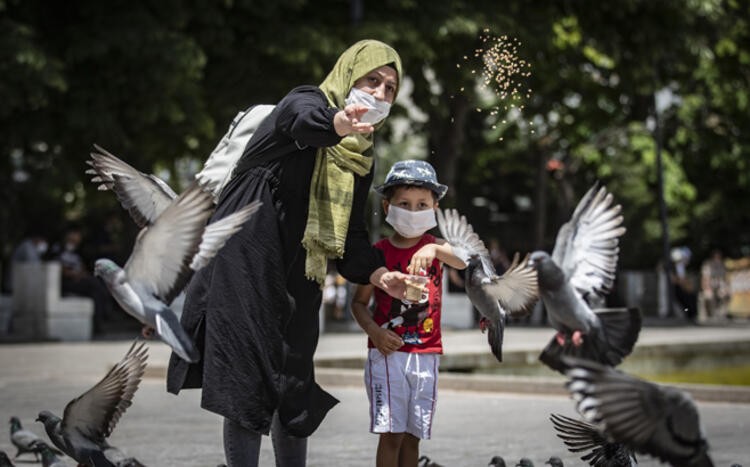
pixel 555 461
pixel 574 279
pixel 496 461
pixel 91 417
pixel 496 297
pixel 580 436
pixel 661 421
pixel 425 461
pixel 166 253
pixel 24 440
pixel 525 462
pixel 5 460
pixel 49 455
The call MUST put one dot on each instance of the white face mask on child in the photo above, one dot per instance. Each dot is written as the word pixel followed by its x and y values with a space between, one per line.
pixel 378 109
pixel 410 224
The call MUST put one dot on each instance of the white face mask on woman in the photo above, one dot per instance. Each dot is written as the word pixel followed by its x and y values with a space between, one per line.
pixel 410 224
pixel 377 109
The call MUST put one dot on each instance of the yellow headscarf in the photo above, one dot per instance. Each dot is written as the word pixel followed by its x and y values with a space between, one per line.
pixel 332 184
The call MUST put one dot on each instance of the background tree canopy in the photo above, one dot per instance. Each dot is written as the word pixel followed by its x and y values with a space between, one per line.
pixel 157 82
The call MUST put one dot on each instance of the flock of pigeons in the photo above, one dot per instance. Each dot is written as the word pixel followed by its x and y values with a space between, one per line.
pixel 621 414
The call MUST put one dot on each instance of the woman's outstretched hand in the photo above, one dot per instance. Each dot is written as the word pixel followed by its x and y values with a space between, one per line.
pixel 347 121
pixel 392 282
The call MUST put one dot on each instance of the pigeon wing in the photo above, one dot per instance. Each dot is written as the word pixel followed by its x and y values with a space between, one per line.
pixel 161 257
pixel 658 420
pixel 457 231
pixel 587 246
pixel 144 196
pixel 217 233
pixel 95 413
pixel 580 436
pixel 516 290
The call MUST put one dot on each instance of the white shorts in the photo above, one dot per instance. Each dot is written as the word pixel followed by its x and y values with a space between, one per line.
pixel 402 389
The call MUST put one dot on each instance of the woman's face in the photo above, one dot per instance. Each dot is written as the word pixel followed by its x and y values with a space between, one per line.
pixel 381 83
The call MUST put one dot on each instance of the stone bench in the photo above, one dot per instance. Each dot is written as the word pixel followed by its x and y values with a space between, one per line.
pixel 39 310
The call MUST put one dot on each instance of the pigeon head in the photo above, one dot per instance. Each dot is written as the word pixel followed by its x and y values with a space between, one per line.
pixel 555 461
pixel 15 423
pixel 48 418
pixel 549 275
pixel 496 461
pixel 525 462
pixel 106 269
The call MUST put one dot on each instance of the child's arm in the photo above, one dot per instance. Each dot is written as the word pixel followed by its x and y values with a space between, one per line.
pixel 441 250
pixel 385 340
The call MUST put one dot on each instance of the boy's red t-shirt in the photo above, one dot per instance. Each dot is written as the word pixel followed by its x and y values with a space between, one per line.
pixel 420 329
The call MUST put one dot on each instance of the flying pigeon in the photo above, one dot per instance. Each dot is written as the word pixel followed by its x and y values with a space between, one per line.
pixel 496 297
pixel 555 461
pixel 496 461
pixel 166 253
pixel 49 455
pixel 580 436
pixel 661 421
pixel 5 460
pixel 24 440
pixel 90 418
pixel 573 281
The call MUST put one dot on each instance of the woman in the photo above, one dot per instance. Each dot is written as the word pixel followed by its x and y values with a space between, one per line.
pixel 254 310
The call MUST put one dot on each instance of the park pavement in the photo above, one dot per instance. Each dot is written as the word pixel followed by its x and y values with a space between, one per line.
pixel 477 416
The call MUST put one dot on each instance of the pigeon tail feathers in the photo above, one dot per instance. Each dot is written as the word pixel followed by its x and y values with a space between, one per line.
pixel 170 331
pixel 495 335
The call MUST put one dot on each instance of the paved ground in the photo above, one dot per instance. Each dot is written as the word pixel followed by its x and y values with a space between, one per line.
pixel 470 426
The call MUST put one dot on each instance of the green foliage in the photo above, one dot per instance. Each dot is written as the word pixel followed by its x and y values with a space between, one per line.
pixel 158 82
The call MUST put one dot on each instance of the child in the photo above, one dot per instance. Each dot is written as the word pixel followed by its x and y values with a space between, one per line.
pixel 404 336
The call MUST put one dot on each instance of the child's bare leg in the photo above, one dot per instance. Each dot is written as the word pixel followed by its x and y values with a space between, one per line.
pixel 409 455
pixel 389 447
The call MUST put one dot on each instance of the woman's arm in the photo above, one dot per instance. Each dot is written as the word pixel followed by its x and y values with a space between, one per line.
pixel 305 117
pixel 385 340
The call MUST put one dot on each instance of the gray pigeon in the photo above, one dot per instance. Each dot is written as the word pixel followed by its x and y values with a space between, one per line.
pixel 49 455
pixel 425 461
pixel 119 459
pixel 90 418
pixel 580 436
pixel 5 460
pixel 555 461
pixel 661 421
pixel 166 253
pixel 496 297
pixel 574 279
pixel 496 461
pixel 24 440
pixel 525 462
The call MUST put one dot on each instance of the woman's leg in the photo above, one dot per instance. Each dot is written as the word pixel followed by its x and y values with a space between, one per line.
pixel 241 446
pixel 289 451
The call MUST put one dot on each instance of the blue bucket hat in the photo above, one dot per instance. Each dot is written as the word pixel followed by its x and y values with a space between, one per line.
pixel 415 173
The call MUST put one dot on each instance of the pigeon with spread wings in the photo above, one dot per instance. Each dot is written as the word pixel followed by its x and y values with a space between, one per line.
pixel 574 280
pixel 496 297
pixel 166 253
pixel 661 421
pixel 90 418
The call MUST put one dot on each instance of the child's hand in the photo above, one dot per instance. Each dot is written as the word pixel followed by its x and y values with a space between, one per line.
pixel 422 259
pixel 386 341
